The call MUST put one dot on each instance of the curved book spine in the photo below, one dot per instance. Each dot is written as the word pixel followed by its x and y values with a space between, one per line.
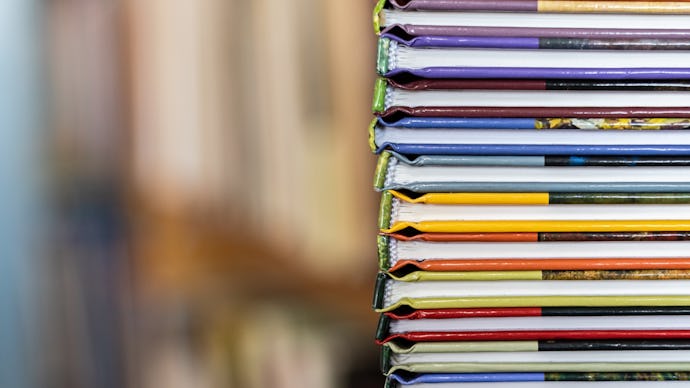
pixel 517 123
pixel 534 312
pixel 536 275
pixel 574 264
pixel 396 112
pixel 435 378
pixel 412 30
pixel 537 335
pixel 509 42
pixel 581 6
pixel 537 236
pixel 534 84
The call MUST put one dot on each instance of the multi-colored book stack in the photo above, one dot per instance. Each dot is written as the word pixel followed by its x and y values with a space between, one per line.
pixel 535 176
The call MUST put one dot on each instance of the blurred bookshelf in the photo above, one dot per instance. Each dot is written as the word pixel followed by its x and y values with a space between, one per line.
pixel 211 193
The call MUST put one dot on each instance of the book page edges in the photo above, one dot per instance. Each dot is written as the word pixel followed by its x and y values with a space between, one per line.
pixel 382 56
pixel 539 367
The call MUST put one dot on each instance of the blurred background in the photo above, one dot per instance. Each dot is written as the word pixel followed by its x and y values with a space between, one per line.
pixel 186 194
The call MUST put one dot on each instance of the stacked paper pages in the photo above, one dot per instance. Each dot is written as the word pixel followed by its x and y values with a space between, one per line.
pixel 534 169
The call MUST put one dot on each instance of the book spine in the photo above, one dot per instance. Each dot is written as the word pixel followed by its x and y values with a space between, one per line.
pixel 427 276
pixel 470 237
pixel 622 376
pixel 383 246
pixel 386 210
pixel 372 135
pixel 550 346
pixel 377 15
pixel 580 6
pixel 536 311
pixel 383 327
pixel 656 274
pixel 537 32
pixel 468 5
pixel 598 311
pixel 538 335
pixel 612 124
pixel 527 112
pixel 541 226
pixel 534 237
pixel 386 364
pixel 616 161
pixel 380 291
pixel 378 104
pixel 661 73
pixel 540 264
pixel 612 44
pixel 616 236
pixel 618 198
pixel 381 171
pixel 556 6
pixel 541 301
pixel 464 367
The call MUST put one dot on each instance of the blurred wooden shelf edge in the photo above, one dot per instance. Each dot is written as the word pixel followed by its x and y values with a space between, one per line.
pixel 179 257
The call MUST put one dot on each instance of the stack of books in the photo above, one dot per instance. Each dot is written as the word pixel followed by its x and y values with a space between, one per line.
pixel 534 165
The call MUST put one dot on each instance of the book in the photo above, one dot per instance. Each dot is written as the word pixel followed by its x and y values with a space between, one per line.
pixel 392 294
pixel 427 62
pixel 564 140
pixel 405 267
pixel 392 174
pixel 586 379
pixel 515 123
pixel 387 17
pixel 545 43
pixel 554 380
pixel 532 335
pixel 539 323
pixel 535 160
pixel 423 250
pixel 403 202
pixel 536 346
pixel 636 274
pixel 410 235
pixel 533 84
pixel 542 6
pixel 531 312
pixel 533 98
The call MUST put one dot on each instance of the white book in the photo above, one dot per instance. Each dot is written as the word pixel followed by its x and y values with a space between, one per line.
pixel 395 135
pixel 396 291
pixel 544 323
pixel 424 250
pixel 403 174
pixel 536 98
pixel 405 57
pixel 403 211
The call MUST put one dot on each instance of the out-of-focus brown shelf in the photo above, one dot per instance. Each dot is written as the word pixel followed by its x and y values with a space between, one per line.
pixel 179 257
